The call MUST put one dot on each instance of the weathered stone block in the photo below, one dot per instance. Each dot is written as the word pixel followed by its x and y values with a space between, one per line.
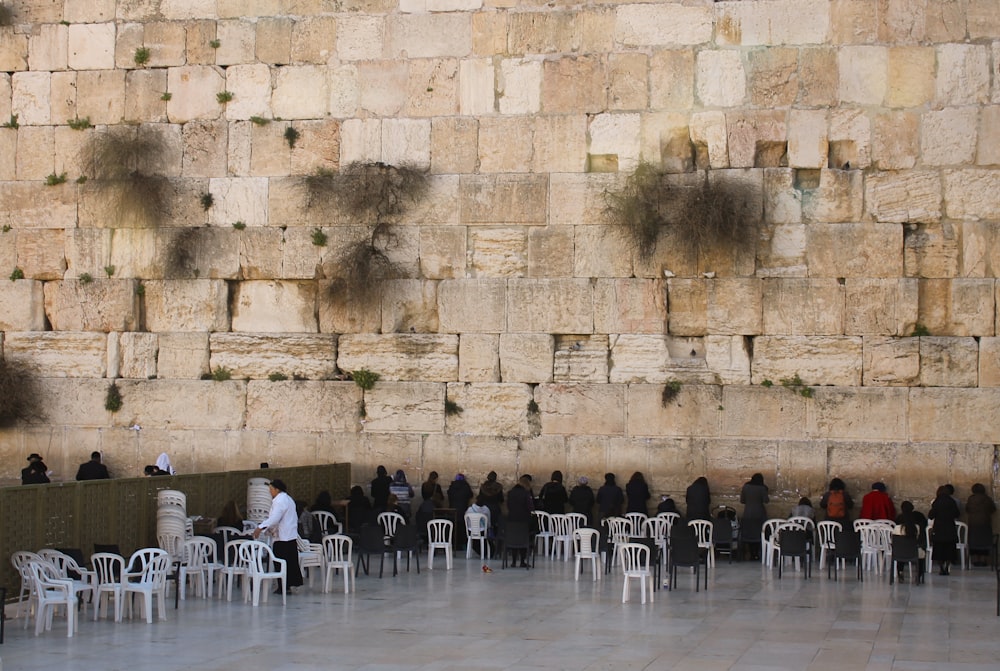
pixel 478 357
pixel 313 40
pixel 958 307
pixel 948 136
pixel 696 411
pixel 880 306
pixel 578 199
pixel 428 35
pixel 236 42
pixel 274 40
pixel 255 357
pixel 186 305
pixel 13 51
pixel 989 362
pixel 526 357
pixel 251 88
pixel 432 88
pixel 193 253
pixel 30 96
pixel 143 95
pixel 239 199
pixel 771 76
pixel 550 306
pixel 868 414
pixel 36 158
pixel 41 253
pixel 99 305
pixel 474 304
pixel 895 140
pixel 548 252
pixel 816 360
pixel 393 407
pixel 863 74
pixel 409 306
pixel 503 199
pixel 658 358
pixel 687 306
pixel 166 42
pixel 720 79
pixel 490 409
pixel 182 355
pixel 22 306
pixel 988 151
pixel 599 251
pixel 952 415
pixel 875 250
pixel 574 85
pixel 773 413
pixel 274 307
pixel 617 135
pixel 580 359
pixel 931 250
pixel 597 409
pixel 734 306
pixel 154 404
pixel 891 362
pixel 32 204
pixel 909 82
pixel 192 91
pixel 750 131
pixel 628 76
pixel 138 353
pixel 520 85
pixel 807 139
pixel 781 22
pixel 799 306
pixel 963 74
pixel 838 198
pixel 360 37
pixel 205 151
pixel 630 306
pixel 948 362
pixel 505 144
pixel 300 92
pixel 728 358
pixel 498 252
pixel 58 353
pixel 972 194
pixel 308 406
pixel 850 138
pixel 476 87
pixel 454 145
pixel 91 46
pixel 662 25
pixel 819 76
pixel 401 356
pixel 560 143
pixel 48 48
pixel 904 196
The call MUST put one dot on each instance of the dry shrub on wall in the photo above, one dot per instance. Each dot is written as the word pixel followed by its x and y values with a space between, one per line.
pixel 20 394
pixel 122 162
pixel 182 253
pixel 6 15
pixel 700 212
pixel 374 195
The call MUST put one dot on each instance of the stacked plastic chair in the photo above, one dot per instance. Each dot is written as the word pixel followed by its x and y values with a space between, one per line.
pixel 172 524
pixel 258 500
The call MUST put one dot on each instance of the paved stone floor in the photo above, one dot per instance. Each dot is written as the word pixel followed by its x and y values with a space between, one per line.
pixel 542 619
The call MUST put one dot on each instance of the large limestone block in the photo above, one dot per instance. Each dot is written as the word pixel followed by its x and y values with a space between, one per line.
pixel 764 413
pixel 838 198
pixel 22 306
pixel 696 411
pixel 904 196
pixel 270 154
pixel 772 76
pixel 48 48
pixel 300 92
pixel 236 42
pixel 728 358
pixel 816 360
pixel 30 97
pixel 953 415
pixel 600 252
pixel 910 84
pixel 498 252
pixel 630 306
pixel 98 305
pixel 989 362
pixel 734 306
pixel 432 89
pixel 895 140
pixel 91 46
pixel 393 407
pixel 495 409
pixel 401 356
pixel 442 252
pixel 783 251
pixel 345 91
pixel 239 199
pixel 520 86
pixel 547 249
pixel 932 250
pixel 275 307
pixel 165 404
pixel 274 40
pixel 251 88
pixel 799 306
pixel 137 355
pixel 880 306
pixel 205 148
pixel 69 149
pixel 454 145
pixel 192 253
pixel 779 22
pixel 144 95
pixel 428 35
pixel 891 362
pixel 580 359
pixel 166 42
pixel 32 204
pixel 574 85
pixel 192 91
pixel 182 355
pixel 959 307
pixel 503 199
pixel 571 409
pixel 671 79
pixel 948 136
pixel 808 144
pixel 8 143
pixel 476 87
pixel 850 138
pixel 662 25
pixel 578 199
pixel 360 37
pixel 186 305
pixel 948 362
pixel 409 306
pixel 657 359
pixel 198 38
pixel 476 305
pixel 313 40
pixel 618 135
pixel 854 250
pixel 560 143
pixel 36 156
pixel 687 306
pixel 560 32
pixel 406 142
pixel 980 249
pixel 41 253
pixel 550 306
pixel 307 406
pixel 751 133
pixel 720 78
pixel 13 51
pixel 972 194
pixel 840 413
pixel 988 151
pixel 863 74
pixel 58 353
pixel 69 402
pixel 526 357
pixel 963 74
pixel 479 357
pixel 256 356
pixel 505 144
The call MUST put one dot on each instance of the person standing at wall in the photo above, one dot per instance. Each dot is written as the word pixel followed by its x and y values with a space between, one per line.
pixel 379 488
pixel 93 469
pixel 876 504
pixel 698 499
pixel 35 473
pixel 837 502
pixel 610 497
pixel 637 493
pixel 979 509
pixel 553 495
pixel 944 534
pixel 581 499
pixel 283 524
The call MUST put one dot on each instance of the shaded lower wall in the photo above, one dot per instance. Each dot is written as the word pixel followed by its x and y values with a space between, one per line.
pixel 123 511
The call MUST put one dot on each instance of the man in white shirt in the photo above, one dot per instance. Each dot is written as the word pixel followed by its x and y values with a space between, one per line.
pixel 283 524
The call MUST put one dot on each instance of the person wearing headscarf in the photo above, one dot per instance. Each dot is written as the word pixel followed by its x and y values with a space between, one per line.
pixel 698 500
pixel 163 463
pixel 637 493
pixel 581 499
pixel 979 509
pixel 379 488
pixel 944 534
pixel 404 493
pixel 610 497
pixel 553 495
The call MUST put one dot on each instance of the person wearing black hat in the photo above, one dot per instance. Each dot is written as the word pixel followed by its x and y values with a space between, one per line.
pixel 36 471
pixel 93 469
pixel 283 524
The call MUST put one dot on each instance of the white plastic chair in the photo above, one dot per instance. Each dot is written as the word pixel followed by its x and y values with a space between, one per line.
pixel 173 544
pixel 769 540
pixel 635 566
pixel 51 591
pixel 586 542
pixel 263 567
pixel 19 560
pixel 476 530
pixel 704 530
pixel 328 523
pixel 198 564
pixel 875 546
pixel 827 530
pixel 310 556
pixel 231 533
pixel 389 523
pixel 861 522
pixel 338 551
pixel 545 533
pixel 638 522
pixel 657 529
pixel 439 534
pixel 108 569
pixel 962 546
pixel 671 519
pixel 64 564
pixel 619 530
pixel 233 568
pixel 150 580
pixel 562 536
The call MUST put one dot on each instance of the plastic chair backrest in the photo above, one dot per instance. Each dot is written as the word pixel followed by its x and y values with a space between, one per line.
pixel 560 525
pixel 543 520
pixel 827 532
pixel 338 548
pixel 770 528
pixel 848 544
pixel 390 522
pixel 634 556
pixel 576 520
pixel 904 549
pixel 475 525
pixel 108 567
pixel 172 544
pixel 703 530
pixel 619 529
pixel 586 541
pixel 638 521
pixel 671 519
pixel 656 528
pixel 154 564
pixel 794 542
pixel 439 531
pixel 256 556
pixel 328 523
pixel 861 522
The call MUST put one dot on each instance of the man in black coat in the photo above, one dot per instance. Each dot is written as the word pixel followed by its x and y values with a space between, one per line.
pixel 36 472
pixel 520 503
pixel 93 469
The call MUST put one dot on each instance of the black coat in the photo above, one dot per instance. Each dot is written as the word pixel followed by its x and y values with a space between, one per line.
pixel 519 504
pixel 92 470
pixel 638 494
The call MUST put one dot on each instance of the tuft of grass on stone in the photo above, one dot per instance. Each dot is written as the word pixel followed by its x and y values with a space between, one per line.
pixel 364 378
pixel 113 399
pixel 54 179
pixel 16 274
pixel 292 136
pixel 85 278
pixel 80 124
pixel 141 56
pixel 224 96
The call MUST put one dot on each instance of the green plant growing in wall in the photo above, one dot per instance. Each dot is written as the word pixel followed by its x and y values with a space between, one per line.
pixel 239 225
pixel 364 378
pixel 12 123
pixel 54 179
pixel 292 136
pixel 109 270
pixel 767 383
pixel 452 409
pixel 224 96
pixel 16 274
pixel 79 124
pixel 259 121
pixel 85 278
pixel 319 238
pixel 123 163
pixel 207 200
pixel 6 228
pixel 21 395
pixel 919 330
pixel 671 390
pixel 221 374
pixel 113 398
pixel 697 212
pixel 140 289
pixel 277 377
pixel 215 44
pixel 166 96
pixel 796 384
pixel 141 56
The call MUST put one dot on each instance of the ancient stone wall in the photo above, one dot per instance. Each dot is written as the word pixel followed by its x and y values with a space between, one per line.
pixel 869 128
